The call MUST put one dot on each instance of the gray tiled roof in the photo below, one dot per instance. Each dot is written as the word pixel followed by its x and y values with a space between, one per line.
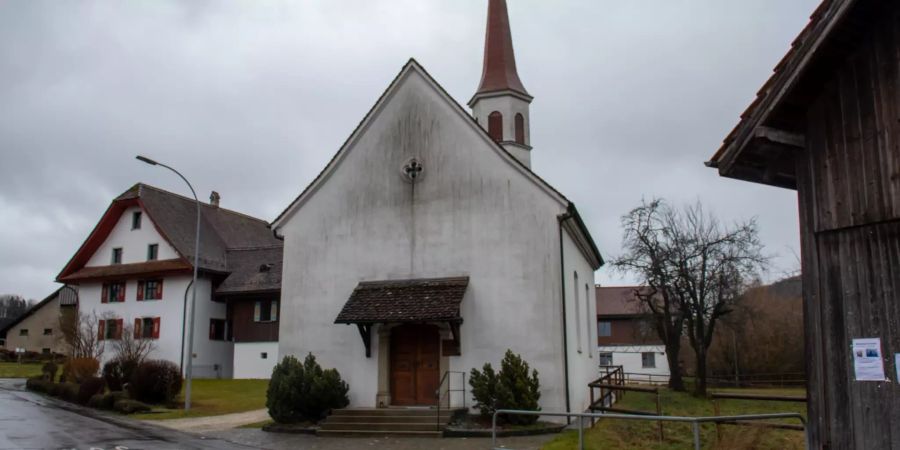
pixel 392 301
pixel 252 270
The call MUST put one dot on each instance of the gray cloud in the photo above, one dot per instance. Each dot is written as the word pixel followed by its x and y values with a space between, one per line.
pixel 252 99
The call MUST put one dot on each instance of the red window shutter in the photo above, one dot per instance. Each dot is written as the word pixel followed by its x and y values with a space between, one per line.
pixel 101 330
pixel 140 291
pixel 121 296
pixel 104 294
pixel 137 328
pixel 156 328
pixel 159 289
pixel 119 324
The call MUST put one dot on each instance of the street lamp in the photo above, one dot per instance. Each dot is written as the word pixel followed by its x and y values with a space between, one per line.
pixel 190 363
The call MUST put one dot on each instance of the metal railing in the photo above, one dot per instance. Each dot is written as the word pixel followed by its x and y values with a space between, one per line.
pixel 694 421
pixel 440 393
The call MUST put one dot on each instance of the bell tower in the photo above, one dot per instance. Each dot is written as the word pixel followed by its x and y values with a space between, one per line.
pixel 501 103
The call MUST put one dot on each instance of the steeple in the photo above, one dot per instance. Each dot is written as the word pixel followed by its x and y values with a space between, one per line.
pixel 500 105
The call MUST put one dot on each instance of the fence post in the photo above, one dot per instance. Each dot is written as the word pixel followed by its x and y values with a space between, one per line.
pixel 718 425
pixel 696 426
pixel 592 404
pixel 659 413
pixel 581 433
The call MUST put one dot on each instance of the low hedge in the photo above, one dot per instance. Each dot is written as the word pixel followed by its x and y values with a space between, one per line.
pixel 89 388
pixel 128 406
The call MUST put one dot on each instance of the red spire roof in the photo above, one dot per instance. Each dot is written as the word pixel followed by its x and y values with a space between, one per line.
pixel 499 71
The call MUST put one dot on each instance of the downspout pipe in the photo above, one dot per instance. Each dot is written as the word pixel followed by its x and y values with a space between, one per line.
pixel 562 295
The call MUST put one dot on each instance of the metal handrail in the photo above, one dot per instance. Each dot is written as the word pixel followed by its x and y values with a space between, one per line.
pixel 695 421
pixel 440 396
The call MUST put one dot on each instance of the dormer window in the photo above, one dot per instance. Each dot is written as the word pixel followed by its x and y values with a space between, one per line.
pixel 117 255
pixel 136 220
pixel 152 252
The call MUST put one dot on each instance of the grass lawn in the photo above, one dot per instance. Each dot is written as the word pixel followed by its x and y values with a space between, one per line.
pixel 215 397
pixel 16 370
pixel 613 434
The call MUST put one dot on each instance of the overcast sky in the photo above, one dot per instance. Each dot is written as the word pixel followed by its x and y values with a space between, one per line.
pixel 253 98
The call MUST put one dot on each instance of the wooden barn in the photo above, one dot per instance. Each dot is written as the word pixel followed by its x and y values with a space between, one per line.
pixel 827 124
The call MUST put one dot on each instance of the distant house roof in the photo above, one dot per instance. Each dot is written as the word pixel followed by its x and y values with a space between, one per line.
pixel 752 151
pixel 619 301
pixel 223 234
pixel 252 270
pixel 393 301
pixel 68 296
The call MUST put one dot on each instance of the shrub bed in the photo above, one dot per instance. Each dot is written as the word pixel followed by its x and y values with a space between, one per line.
pixel 304 392
pixel 155 381
pixel 511 388
pixel 91 387
pixel 77 370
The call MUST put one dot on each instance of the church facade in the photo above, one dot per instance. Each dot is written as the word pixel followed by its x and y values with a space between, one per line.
pixel 427 247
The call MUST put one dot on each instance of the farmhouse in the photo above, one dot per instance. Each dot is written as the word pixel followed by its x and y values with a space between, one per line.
pixel 40 328
pixel 428 246
pixel 827 125
pixel 626 336
pixel 135 269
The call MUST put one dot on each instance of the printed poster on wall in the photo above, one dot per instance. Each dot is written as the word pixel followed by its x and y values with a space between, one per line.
pixel 867 362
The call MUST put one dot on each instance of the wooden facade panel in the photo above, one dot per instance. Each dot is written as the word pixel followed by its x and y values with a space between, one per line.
pixel 859 288
pixel 853 135
pixel 245 329
pixel 628 332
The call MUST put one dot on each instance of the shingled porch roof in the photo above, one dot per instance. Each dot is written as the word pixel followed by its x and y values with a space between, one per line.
pixel 399 301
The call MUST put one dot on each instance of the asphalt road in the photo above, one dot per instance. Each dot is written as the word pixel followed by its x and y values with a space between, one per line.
pixel 30 421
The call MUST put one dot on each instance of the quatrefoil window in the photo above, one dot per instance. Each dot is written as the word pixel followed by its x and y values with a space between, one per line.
pixel 412 170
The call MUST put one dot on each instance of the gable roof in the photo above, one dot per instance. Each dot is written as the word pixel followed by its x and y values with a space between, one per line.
pixel 619 301
pixel 747 150
pixel 174 217
pixel 398 301
pixel 412 66
pixel 252 270
pixel 68 296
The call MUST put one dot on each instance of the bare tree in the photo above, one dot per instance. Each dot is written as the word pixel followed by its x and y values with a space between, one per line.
pixel 81 333
pixel 132 348
pixel 695 268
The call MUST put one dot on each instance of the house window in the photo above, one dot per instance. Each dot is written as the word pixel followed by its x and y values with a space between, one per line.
pixel 495 126
pixel 265 311
pixel 146 328
pixel 149 289
pixel 152 252
pixel 648 360
pixel 2 342
pixel 577 315
pixel 263 355
pixel 520 129
pixel 217 329
pixel 606 359
pixel 136 220
pixel 113 292
pixel 111 329
pixel 45 351
pixel 48 331
pixel 604 328
pixel 23 332
pixel 117 255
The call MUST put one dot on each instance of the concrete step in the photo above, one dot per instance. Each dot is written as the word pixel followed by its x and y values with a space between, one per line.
pixel 380 426
pixel 389 412
pixel 369 433
pixel 384 419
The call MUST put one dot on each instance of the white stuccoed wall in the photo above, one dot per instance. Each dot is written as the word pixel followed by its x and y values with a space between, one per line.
pixel 248 362
pixel 471 213
pixel 169 309
pixel 509 106
pixel 629 357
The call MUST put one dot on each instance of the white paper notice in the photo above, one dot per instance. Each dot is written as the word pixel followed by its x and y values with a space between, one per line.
pixel 897 365
pixel 867 362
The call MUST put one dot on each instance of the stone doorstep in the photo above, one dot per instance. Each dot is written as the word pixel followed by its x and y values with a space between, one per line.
pixel 371 433
pixel 375 422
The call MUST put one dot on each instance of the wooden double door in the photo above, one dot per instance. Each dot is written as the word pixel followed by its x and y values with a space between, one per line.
pixel 415 364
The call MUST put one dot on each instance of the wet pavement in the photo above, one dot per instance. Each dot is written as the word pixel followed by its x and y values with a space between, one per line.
pixel 31 421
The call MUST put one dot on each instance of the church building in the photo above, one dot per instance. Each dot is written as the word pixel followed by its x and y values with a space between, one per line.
pixel 429 245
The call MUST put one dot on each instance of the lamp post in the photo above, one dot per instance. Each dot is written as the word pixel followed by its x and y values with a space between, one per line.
pixel 190 363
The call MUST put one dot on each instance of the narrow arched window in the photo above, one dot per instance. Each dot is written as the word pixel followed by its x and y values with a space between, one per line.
pixel 495 126
pixel 520 129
